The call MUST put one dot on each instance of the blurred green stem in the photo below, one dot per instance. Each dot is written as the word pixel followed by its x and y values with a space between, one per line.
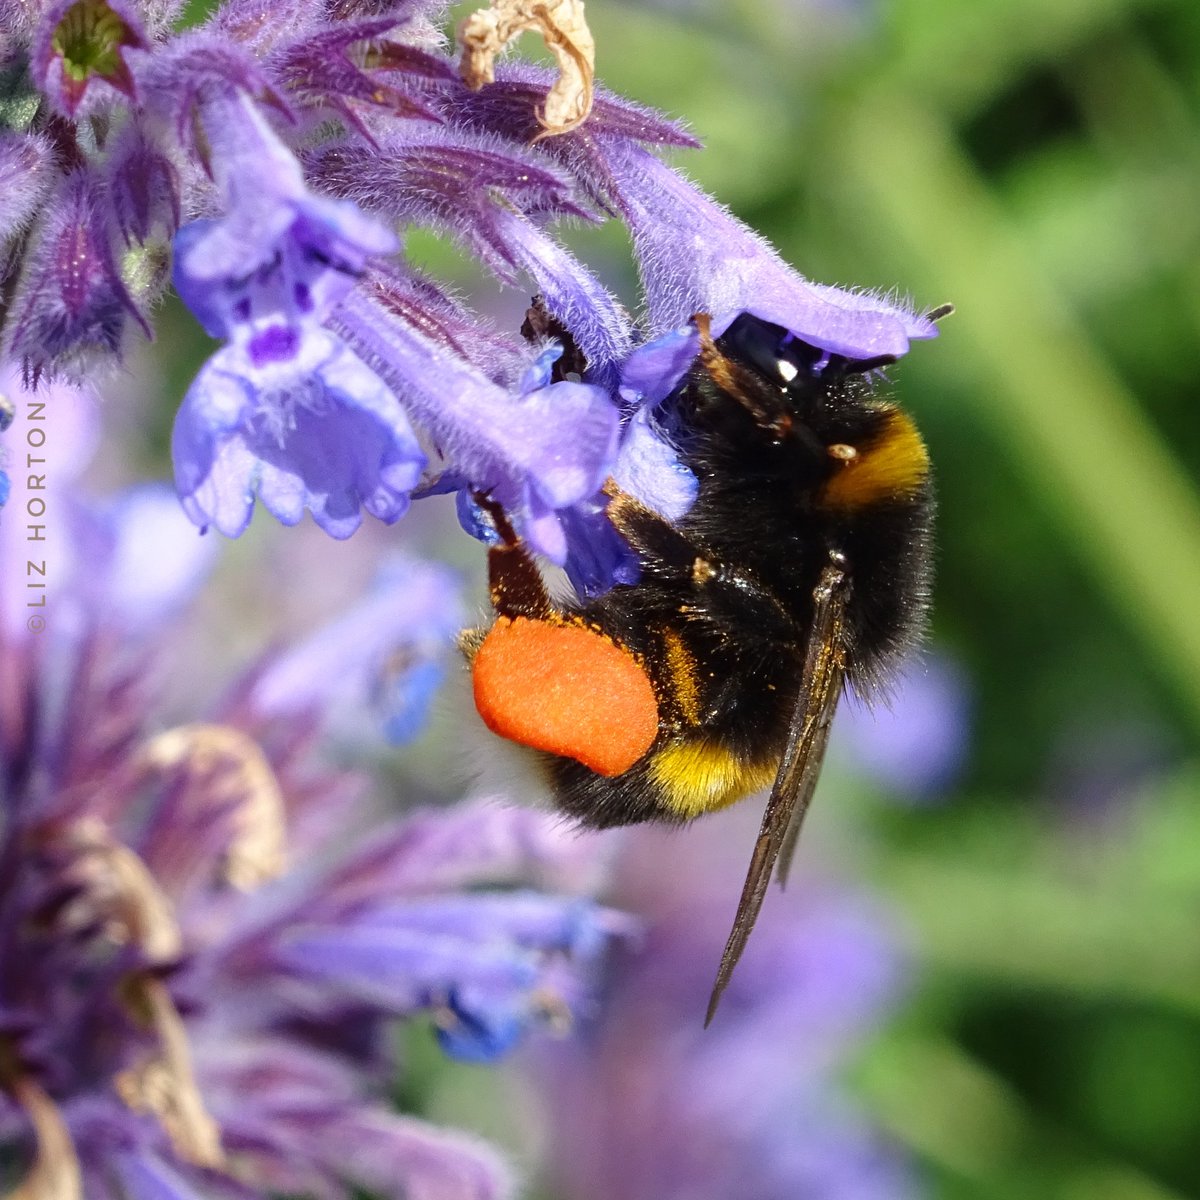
pixel 1078 432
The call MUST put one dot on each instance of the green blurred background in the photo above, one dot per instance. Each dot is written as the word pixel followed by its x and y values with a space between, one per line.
pixel 1038 164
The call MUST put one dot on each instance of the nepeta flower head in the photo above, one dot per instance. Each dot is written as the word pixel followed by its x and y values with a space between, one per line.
pixel 204 988
pixel 291 146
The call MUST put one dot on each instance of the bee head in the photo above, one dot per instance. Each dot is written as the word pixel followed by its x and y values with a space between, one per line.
pixel 759 386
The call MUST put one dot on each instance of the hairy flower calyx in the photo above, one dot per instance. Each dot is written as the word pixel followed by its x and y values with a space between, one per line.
pixel 89 40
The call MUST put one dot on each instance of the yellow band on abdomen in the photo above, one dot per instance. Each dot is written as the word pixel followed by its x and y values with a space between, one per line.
pixel 699 777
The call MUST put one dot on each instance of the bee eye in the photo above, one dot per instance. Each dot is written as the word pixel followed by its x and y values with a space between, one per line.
pixel 787 369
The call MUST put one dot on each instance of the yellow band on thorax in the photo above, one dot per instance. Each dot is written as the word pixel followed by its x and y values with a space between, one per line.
pixel 892 466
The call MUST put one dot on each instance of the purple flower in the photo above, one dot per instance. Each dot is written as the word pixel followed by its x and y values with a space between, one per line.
pixel 696 257
pixel 648 1105
pixel 377 667
pixel 285 410
pixel 536 453
pixel 205 988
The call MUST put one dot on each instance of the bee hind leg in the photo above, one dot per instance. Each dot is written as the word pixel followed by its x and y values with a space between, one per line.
pixel 515 584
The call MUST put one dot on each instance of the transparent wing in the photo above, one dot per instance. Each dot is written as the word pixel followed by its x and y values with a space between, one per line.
pixel 820 687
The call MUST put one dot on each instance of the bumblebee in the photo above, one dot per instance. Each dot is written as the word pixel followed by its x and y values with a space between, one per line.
pixel 803 566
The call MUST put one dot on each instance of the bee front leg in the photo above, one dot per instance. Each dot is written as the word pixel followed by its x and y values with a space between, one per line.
pixel 660 547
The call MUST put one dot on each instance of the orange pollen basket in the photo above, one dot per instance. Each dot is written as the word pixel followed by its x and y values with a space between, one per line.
pixel 565 689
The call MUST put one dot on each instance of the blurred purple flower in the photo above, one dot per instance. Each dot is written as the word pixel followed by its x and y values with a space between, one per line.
pixel 376 667
pixel 914 742
pixel 194 1015
pixel 648 1105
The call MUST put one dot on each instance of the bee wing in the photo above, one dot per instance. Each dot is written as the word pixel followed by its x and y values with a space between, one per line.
pixel 820 687
pixel 808 768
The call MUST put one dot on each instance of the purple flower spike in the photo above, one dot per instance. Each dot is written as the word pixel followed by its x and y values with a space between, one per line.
pixel 284 409
pixel 79 51
pixel 696 257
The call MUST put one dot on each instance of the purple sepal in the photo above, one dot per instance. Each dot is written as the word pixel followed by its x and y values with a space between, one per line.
pixel 266 32
pixel 78 54
pixel 192 83
pixel 319 69
pixel 423 305
pixel 70 305
pixel 142 186
pixel 26 174
pixel 509 107
pixel 490 196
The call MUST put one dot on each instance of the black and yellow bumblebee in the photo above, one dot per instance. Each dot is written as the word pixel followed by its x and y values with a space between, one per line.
pixel 803 565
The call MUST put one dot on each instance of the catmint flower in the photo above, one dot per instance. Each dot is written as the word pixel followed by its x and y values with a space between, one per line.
pixel 292 149
pixel 205 986
pixel 377 666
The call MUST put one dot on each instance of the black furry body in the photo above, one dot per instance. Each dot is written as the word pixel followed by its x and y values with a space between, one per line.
pixel 722 614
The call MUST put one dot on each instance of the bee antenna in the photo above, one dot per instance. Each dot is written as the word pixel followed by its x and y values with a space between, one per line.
pixel 732 379
pixel 500 520
pixel 861 366
pixel 942 310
